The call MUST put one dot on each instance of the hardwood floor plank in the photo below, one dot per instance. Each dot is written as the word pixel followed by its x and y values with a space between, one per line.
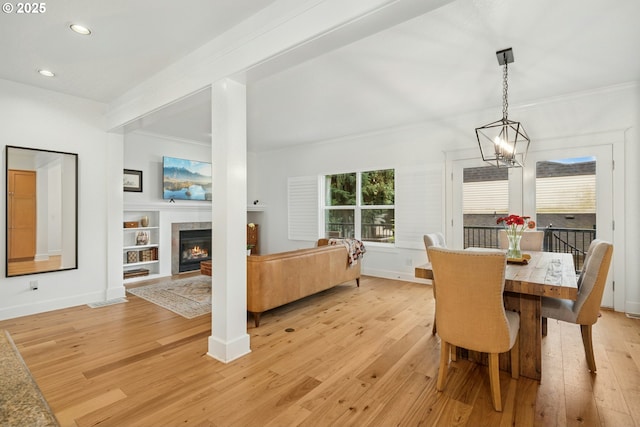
pixel 357 357
pixel 67 416
pixel 581 407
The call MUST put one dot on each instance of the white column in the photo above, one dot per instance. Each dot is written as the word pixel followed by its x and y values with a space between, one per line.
pixel 229 339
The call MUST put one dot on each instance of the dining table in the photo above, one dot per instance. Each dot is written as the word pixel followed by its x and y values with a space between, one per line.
pixel 539 274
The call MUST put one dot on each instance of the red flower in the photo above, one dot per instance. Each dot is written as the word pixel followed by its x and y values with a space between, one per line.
pixel 513 221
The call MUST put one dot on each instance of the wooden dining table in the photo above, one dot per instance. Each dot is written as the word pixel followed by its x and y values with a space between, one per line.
pixel 548 274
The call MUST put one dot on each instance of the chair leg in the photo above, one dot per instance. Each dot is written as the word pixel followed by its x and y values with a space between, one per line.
pixel 444 365
pixel 515 358
pixel 588 346
pixel 494 381
pixel 433 287
pixel 454 355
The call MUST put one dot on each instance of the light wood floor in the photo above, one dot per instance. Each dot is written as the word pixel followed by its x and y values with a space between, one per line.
pixel 358 357
pixel 26 267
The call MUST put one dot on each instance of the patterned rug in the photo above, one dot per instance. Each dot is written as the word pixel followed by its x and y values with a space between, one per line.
pixel 21 402
pixel 189 297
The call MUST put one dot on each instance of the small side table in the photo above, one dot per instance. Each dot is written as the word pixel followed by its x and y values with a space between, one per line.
pixel 205 268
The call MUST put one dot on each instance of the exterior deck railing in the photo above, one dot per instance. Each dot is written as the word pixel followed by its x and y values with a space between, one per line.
pixel 370 232
pixel 575 241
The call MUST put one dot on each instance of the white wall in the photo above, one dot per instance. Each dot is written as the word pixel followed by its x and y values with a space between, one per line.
pixel 601 111
pixel 145 151
pixel 37 118
pixel 401 149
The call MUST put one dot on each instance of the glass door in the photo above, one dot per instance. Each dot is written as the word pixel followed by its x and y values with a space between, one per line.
pixel 570 194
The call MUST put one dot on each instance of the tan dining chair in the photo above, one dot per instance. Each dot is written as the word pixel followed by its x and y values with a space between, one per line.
pixel 437 240
pixel 530 241
pixel 470 310
pixel 584 311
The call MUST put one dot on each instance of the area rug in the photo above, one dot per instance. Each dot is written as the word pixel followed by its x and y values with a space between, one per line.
pixel 189 297
pixel 107 303
pixel 21 402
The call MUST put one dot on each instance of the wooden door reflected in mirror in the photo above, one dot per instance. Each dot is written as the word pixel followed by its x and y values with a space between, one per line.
pixel 42 211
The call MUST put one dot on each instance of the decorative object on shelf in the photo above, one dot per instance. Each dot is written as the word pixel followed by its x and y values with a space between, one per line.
pixel 132 180
pixel 142 238
pixel 148 255
pixel 144 221
pixel 503 143
pixel 514 226
pixel 132 256
pixel 138 272
pixel 252 239
pixel 131 224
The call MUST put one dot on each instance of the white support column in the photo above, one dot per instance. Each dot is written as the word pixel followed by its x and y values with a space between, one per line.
pixel 229 339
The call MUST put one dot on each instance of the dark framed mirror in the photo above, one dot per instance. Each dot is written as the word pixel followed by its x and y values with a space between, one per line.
pixel 41 211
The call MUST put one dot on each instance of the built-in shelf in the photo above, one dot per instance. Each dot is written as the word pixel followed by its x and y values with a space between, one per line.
pixel 256 208
pixel 134 247
pixel 134 264
pixel 143 256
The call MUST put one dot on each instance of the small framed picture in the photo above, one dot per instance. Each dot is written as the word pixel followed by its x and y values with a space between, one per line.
pixel 132 180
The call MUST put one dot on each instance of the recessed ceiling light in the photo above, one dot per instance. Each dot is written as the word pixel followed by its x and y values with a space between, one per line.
pixel 80 29
pixel 46 73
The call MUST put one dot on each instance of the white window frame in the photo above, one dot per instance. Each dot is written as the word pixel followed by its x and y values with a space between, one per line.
pixel 358 207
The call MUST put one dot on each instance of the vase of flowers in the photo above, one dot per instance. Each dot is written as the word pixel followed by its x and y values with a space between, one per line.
pixel 514 226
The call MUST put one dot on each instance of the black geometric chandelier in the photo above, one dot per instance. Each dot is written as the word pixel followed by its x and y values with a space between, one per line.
pixel 503 143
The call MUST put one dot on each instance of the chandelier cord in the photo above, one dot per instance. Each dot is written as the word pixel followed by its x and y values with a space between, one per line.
pixel 505 88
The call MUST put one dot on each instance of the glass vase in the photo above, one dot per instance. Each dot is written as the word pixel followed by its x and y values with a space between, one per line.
pixel 514 251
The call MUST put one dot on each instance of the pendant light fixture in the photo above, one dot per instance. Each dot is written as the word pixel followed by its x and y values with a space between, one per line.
pixel 503 143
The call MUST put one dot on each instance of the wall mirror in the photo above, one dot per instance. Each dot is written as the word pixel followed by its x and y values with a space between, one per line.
pixel 42 211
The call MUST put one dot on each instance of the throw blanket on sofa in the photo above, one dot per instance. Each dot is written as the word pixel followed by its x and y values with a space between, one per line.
pixel 355 248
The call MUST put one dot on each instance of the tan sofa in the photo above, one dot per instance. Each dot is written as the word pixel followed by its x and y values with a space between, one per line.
pixel 277 279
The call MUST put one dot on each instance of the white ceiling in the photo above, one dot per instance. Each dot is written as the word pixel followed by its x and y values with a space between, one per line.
pixel 130 41
pixel 434 65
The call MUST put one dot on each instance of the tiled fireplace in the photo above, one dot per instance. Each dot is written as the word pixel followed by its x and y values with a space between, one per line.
pixel 190 244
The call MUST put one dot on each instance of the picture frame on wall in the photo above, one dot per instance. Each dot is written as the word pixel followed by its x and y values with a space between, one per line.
pixel 132 180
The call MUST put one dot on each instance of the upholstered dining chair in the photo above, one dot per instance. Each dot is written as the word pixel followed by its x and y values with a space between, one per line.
pixel 437 240
pixel 470 310
pixel 585 310
pixel 434 239
pixel 530 241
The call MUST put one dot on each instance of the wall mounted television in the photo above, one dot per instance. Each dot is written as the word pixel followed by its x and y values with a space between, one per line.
pixel 186 179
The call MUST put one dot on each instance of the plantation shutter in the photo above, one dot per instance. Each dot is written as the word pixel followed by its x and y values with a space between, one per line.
pixel 303 198
pixel 418 204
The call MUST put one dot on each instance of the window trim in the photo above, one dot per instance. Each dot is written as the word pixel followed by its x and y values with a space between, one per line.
pixel 358 206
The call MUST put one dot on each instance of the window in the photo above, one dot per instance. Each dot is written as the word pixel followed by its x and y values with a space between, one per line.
pixel 360 205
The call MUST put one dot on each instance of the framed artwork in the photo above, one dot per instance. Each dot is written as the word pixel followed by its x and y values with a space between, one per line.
pixel 132 180
pixel 186 179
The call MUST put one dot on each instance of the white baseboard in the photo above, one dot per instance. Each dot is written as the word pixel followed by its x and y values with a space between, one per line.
pixel 632 308
pixel 394 275
pixel 228 351
pixel 49 305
